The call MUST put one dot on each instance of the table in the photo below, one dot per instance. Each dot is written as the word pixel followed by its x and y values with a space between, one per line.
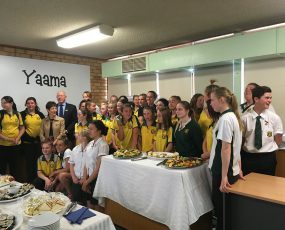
pixel 98 222
pixel 176 198
pixel 256 203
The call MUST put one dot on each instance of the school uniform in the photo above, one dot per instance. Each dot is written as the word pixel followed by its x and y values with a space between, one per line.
pixel 262 160
pixel 94 150
pixel 162 138
pixel 79 127
pixel 188 139
pixel 77 159
pixel 128 131
pixel 147 136
pixel 96 116
pixel 9 152
pixel 204 122
pixel 47 167
pixel 174 120
pixel 31 142
pixel 226 129
pixel 63 156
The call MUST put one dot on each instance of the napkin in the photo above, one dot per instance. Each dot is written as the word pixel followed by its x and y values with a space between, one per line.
pixel 76 217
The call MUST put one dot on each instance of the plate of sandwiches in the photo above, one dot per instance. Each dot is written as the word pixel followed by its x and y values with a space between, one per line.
pixel 161 155
pixel 126 154
pixel 14 191
pixel 5 180
pixel 48 202
pixel 10 220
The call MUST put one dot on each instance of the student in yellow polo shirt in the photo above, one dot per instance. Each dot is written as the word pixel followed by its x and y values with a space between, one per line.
pixel 32 119
pixel 126 127
pixel 47 164
pixel 11 131
pixel 148 129
pixel 163 137
pixel 84 118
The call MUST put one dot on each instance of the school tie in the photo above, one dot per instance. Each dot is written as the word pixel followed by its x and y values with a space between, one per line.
pixel 258 133
pixel 61 110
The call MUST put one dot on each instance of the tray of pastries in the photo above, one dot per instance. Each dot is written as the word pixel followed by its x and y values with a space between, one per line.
pixel 126 154
pixel 161 155
pixel 180 162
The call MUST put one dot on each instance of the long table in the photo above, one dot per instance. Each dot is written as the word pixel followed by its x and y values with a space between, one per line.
pixel 176 198
pixel 99 222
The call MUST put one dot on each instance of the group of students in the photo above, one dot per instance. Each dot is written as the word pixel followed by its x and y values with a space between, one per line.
pixel 236 140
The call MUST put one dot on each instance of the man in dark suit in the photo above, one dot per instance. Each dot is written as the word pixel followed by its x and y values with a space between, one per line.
pixel 69 113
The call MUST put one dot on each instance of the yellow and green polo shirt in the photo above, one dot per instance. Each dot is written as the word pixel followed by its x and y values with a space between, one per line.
pixel 48 167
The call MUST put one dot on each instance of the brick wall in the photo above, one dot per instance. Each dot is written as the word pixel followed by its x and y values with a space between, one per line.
pixel 98 84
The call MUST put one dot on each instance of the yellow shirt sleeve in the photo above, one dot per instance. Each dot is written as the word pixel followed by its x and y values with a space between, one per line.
pixel 39 165
pixel 169 135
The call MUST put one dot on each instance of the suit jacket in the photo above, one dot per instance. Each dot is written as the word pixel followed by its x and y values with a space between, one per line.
pixel 70 118
pixel 57 126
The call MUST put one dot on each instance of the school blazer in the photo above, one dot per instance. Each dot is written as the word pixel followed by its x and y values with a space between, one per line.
pixel 58 127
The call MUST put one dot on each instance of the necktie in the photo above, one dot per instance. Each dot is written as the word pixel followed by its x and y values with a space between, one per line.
pixel 50 129
pixel 258 133
pixel 61 110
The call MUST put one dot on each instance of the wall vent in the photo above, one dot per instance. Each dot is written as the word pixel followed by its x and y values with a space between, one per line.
pixel 134 64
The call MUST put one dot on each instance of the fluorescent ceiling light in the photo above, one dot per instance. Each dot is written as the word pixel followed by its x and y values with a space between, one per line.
pixel 85 37
pixel 213 38
pixel 265 27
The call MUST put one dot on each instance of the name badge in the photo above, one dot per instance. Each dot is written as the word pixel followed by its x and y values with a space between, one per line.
pixel 269 134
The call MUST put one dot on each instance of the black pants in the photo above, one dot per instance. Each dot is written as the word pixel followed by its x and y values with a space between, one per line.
pixel 82 197
pixel 31 151
pixel 264 163
pixel 39 183
pixel 10 158
pixel 217 197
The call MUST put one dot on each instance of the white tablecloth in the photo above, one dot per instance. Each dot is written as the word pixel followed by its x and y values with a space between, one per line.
pixel 98 222
pixel 176 198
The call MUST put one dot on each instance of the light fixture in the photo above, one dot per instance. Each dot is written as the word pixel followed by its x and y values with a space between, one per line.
pixel 85 37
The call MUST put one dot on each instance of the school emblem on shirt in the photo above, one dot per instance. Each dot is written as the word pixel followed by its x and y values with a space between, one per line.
pixel 269 134
pixel 163 136
pixel 186 131
pixel 153 131
pixel 52 165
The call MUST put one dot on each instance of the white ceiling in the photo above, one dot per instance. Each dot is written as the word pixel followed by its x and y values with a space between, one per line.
pixel 140 25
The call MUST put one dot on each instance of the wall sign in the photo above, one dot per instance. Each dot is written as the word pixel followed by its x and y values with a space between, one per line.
pixel 23 77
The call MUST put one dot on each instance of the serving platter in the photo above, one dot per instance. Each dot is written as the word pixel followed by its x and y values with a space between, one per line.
pixel 183 162
pixel 122 154
pixel 17 220
pixel 161 155
pixel 24 190
pixel 45 202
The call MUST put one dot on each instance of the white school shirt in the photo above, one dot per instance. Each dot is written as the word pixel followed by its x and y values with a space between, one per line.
pixel 77 159
pixel 271 125
pixel 66 154
pixel 95 150
pixel 227 129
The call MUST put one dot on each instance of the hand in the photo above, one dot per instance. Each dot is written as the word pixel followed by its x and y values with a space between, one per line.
pixel 81 181
pixel 75 180
pixel 225 185
pixel 205 156
pixel 16 141
pixel 48 184
pixel 54 143
pixel 86 187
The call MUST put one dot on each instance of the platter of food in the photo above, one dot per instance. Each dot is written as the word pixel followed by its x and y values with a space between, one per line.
pixel 14 191
pixel 9 220
pixel 180 162
pixel 49 202
pixel 5 180
pixel 126 154
pixel 161 155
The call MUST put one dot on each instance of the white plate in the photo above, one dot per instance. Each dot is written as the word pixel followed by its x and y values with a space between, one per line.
pixel 18 219
pixel 61 196
pixel 44 220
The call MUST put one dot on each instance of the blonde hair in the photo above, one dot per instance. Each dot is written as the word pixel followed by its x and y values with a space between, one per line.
pixel 85 133
pixel 231 100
